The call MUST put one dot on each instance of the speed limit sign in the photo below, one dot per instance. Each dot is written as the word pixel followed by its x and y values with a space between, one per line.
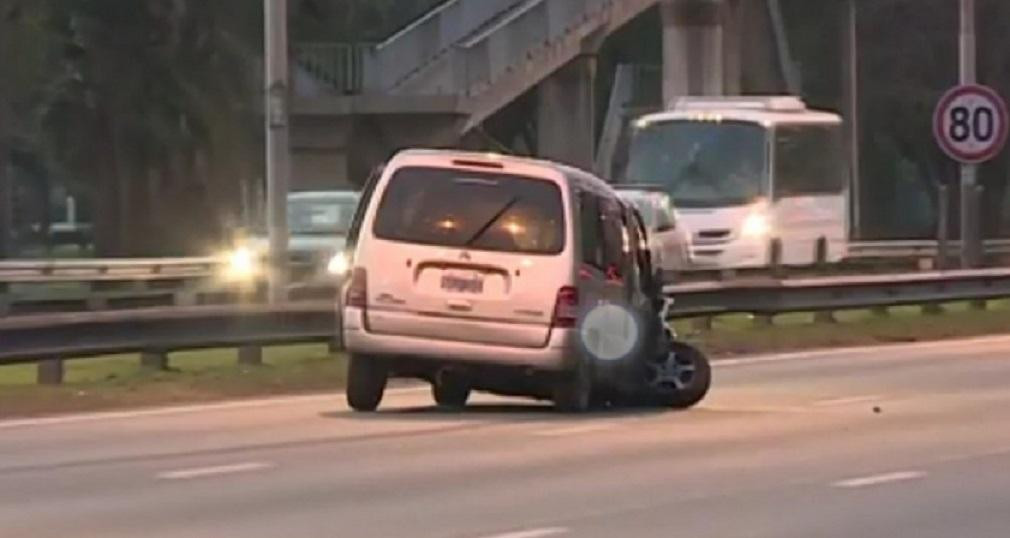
pixel 971 123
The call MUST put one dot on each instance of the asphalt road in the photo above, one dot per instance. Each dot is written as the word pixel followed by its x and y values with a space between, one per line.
pixel 786 446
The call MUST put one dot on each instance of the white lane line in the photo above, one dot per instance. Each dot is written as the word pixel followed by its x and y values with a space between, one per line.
pixel 188 409
pixel 879 479
pixel 204 472
pixel 875 350
pixel 533 533
pixel 574 430
pixel 851 400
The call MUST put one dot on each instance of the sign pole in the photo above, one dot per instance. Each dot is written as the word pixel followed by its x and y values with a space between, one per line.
pixel 971 237
pixel 275 14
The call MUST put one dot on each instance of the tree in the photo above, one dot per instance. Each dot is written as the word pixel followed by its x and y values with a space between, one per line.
pixel 162 96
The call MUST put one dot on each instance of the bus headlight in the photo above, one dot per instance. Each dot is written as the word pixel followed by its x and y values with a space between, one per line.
pixel 756 226
pixel 338 264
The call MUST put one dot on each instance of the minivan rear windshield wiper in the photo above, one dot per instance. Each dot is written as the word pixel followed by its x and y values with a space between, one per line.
pixel 490 222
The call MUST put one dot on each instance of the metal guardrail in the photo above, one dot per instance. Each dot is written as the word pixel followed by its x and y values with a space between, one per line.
pixel 61 285
pixel 49 339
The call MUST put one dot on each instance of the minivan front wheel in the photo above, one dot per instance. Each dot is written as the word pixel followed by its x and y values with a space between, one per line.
pixel 366 382
pixel 573 392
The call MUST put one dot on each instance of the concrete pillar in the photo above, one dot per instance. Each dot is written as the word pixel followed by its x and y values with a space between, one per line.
pixel 566 126
pixel 699 54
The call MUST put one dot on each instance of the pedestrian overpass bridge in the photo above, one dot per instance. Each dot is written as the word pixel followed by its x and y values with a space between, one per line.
pixel 436 81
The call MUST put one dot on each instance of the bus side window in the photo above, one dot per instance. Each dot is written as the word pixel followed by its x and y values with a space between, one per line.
pixel 808 161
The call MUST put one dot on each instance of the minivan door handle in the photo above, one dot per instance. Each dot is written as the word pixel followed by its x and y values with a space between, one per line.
pixel 459 305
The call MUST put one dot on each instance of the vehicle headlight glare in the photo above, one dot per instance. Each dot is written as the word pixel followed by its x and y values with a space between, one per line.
pixel 242 262
pixel 756 225
pixel 338 265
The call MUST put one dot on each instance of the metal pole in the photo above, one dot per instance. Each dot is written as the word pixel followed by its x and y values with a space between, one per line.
pixel 943 227
pixel 277 144
pixel 971 240
pixel 852 103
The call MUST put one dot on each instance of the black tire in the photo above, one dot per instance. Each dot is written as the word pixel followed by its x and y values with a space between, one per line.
pixel 695 386
pixel 366 383
pixel 573 391
pixel 450 391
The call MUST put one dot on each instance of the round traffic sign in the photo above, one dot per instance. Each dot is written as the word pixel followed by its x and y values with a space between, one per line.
pixel 971 123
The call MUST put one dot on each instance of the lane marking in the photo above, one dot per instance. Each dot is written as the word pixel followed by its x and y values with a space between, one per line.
pixel 748 360
pixel 533 533
pixel 188 409
pixel 876 480
pixel 574 430
pixel 851 400
pixel 204 472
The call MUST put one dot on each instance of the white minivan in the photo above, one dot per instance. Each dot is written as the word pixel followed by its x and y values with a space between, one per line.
pixel 476 272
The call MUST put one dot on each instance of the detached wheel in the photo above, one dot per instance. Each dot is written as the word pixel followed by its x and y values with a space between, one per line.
pixel 573 392
pixel 679 380
pixel 366 382
pixel 450 391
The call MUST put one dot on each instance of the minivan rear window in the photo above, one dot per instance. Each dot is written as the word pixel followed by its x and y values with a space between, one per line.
pixel 475 210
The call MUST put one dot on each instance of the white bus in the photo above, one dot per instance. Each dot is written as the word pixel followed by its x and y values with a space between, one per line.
pixel 746 173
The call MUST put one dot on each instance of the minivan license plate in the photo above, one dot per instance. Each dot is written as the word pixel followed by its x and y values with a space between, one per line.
pixel 463 284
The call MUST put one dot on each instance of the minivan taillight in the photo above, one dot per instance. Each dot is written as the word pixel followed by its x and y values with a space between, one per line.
pixel 566 307
pixel 357 288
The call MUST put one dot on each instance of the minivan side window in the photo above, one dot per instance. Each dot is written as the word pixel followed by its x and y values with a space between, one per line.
pixel 590 228
pixel 354 230
pixel 613 237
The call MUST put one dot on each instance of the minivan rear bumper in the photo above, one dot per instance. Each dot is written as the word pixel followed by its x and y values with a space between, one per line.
pixel 560 349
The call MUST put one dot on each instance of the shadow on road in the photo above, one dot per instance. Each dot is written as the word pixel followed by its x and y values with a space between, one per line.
pixel 499 412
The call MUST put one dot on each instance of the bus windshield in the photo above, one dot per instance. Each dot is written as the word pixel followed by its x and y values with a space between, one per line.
pixel 702 164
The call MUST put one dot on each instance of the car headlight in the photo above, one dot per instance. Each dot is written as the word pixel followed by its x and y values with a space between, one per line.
pixel 242 263
pixel 338 265
pixel 756 226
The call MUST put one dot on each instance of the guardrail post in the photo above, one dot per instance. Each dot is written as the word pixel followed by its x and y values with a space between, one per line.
pixel 185 298
pixel 825 316
pixel 154 360
pixel 979 305
pixel 250 356
pixel 775 257
pixel 932 309
pixel 764 320
pixel 702 324
pixel 50 372
pixel 821 254
pixel 881 311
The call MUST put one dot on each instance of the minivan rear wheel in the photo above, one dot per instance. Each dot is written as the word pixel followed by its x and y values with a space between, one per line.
pixel 574 390
pixel 366 382
pixel 450 390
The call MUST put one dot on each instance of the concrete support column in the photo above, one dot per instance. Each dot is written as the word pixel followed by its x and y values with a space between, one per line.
pixel 701 53
pixel 566 123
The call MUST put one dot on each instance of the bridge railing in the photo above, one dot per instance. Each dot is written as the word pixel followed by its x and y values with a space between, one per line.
pixel 431 36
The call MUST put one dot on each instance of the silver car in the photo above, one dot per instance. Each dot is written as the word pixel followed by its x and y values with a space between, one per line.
pixel 479 272
pixel 669 239
pixel 318 222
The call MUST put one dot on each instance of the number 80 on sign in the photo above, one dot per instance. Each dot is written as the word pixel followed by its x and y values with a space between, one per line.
pixel 971 124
